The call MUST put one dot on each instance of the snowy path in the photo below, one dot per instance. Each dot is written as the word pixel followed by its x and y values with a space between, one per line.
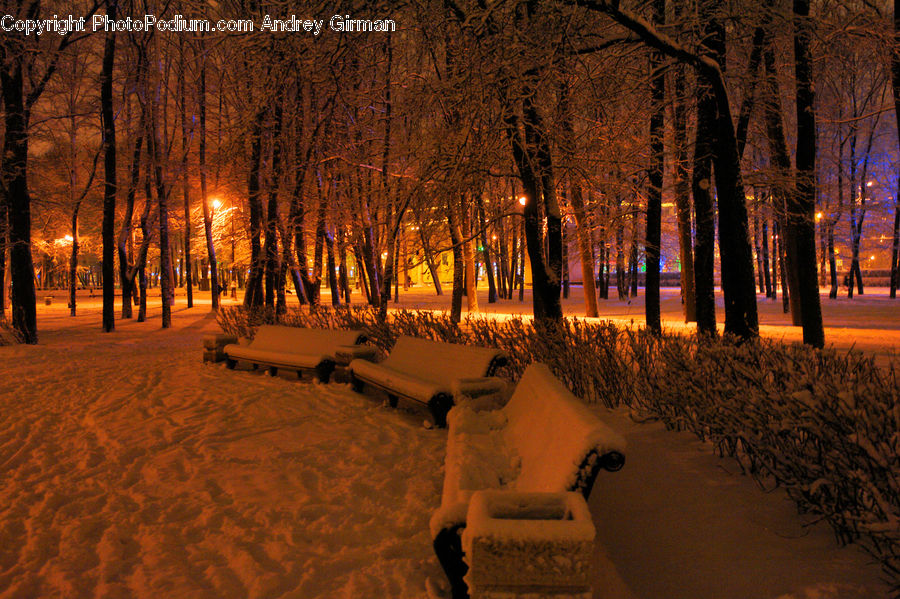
pixel 128 469
pixel 678 523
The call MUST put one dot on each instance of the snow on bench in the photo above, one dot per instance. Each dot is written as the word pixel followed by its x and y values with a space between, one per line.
pixel 430 372
pixel 293 348
pixel 544 440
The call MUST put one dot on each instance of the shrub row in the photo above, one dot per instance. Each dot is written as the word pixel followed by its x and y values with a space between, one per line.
pixel 8 335
pixel 824 425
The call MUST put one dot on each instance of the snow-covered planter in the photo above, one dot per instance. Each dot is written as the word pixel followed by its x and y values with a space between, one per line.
pixel 533 545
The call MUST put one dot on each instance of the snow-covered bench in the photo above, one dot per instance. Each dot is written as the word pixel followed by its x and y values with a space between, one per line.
pixel 430 372
pixel 293 348
pixel 544 440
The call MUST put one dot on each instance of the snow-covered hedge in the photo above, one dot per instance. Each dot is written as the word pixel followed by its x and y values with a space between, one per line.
pixel 823 424
pixel 8 335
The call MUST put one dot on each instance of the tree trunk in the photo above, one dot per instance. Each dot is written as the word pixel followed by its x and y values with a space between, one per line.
pixel 253 296
pixel 653 239
pixel 576 200
pixel 332 278
pixel 682 191
pixel 765 257
pixel 162 196
pixel 204 197
pixel 185 179
pixel 805 206
pixel 633 259
pixel 832 261
pixel 895 250
pixel 502 261
pixel 109 190
pixel 782 270
pixel 4 220
pixel 701 184
pixel 73 260
pixel 469 258
pixel 343 277
pixel 430 261
pixel 783 187
pixel 895 81
pixel 314 292
pixel 270 249
pixel 621 285
pixel 124 242
pixel 458 263
pixel 534 163
pixel 515 252
pixel 394 222
pixel 486 251
pixel 757 248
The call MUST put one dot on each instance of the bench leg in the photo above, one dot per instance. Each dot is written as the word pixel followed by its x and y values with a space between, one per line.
pixel 230 364
pixel 392 400
pixel 356 384
pixel 273 371
pixel 439 405
pixel 448 549
pixel 324 370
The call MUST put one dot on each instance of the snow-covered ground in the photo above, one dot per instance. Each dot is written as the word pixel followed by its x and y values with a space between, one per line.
pixel 130 469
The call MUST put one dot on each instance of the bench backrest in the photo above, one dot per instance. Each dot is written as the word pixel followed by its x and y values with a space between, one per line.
pixel 302 340
pixel 554 433
pixel 441 362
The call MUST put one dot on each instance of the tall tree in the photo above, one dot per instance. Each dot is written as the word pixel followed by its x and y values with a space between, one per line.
pixel 576 199
pixel 185 173
pixel 653 238
pixel 204 195
pixel 804 208
pixel 109 168
pixel 738 284
pixel 18 53
pixel 681 188
pixel 895 80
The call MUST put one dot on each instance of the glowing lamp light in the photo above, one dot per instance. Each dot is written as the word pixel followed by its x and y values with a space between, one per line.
pixel 870 183
pixel 818 216
pixel 522 200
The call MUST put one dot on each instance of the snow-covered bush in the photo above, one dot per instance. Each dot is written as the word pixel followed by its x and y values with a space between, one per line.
pixel 823 424
pixel 8 335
